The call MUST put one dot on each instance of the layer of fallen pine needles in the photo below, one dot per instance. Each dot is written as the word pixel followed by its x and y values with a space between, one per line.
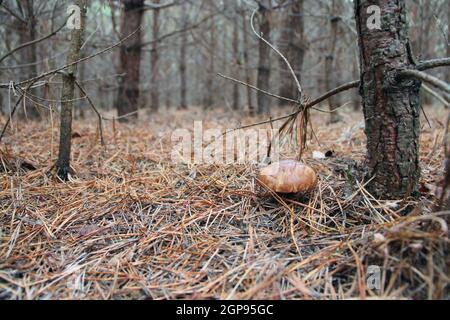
pixel 130 224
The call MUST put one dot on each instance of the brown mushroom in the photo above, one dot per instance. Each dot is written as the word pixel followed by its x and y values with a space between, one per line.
pixel 288 176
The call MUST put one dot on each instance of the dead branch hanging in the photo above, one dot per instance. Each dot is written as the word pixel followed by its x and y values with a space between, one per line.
pixel 32 81
pixel 303 105
pixel 48 73
pixel 30 43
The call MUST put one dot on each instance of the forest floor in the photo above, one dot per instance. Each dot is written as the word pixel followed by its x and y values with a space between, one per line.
pixel 132 224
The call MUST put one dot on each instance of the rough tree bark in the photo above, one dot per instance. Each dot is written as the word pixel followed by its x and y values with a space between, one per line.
pixel 292 43
pixel 264 57
pixel 130 58
pixel 391 105
pixel 184 35
pixel 67 96
pixel 154 60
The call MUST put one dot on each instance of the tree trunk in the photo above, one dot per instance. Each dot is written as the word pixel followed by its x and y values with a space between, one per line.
pixel 448 41
pixel 235 45
pixel 263 80
pixel 356 99
pixel 154 61
pixel 209 94
pixel 184 18
pixel 292 43
pixel 29 54
pixel 416 27
pixel 330 72
pixel 391 105
pixel 420 36
pixel 130 58
pixel 67 96
pixel 251 107
pixel 82 103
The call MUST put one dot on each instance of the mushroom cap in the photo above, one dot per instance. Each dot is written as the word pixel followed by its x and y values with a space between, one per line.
pixel 288 176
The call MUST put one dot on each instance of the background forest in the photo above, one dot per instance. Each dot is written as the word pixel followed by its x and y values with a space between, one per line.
pixel 195 40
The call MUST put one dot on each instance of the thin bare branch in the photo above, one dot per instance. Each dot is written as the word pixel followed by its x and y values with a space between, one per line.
pixel 434 63
pixel 442 85
pixel 99 115
pixel 257 89
pixel 436 95
pixel 294 76
pixel 11 12
pixel 48 73
pixel 311 104
pixel 30 43
pixel 13 111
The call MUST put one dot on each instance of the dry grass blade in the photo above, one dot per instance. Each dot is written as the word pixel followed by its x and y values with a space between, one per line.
pixel 132 224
